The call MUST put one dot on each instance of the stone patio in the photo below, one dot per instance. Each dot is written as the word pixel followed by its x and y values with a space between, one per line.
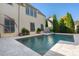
pixel 11 47
pixel 67 48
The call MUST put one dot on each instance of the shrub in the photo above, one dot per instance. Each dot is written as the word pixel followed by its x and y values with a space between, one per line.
pixel 38 30
pixel 51 30
pixel 25 31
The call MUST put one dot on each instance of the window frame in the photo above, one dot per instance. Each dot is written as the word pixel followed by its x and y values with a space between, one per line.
pixel 10 27
pixel 32 27
pixel 27 10
pixel 42 27
pixel 31 11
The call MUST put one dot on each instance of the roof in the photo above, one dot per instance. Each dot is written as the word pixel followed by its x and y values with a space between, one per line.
pixel 36 9
pixel 24 4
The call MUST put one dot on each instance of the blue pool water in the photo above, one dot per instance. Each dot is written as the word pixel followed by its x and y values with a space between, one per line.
pixel 41 44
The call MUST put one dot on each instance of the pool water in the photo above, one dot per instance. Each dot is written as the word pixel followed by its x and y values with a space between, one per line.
pixel 41 44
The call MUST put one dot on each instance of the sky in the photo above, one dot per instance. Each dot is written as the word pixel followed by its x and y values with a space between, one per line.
pixel 60 9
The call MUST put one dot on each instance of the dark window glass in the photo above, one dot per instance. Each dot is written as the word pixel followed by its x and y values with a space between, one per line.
pixel 35 14
pixel 42 27
pixel 9 26
pixel 6 22
pixel 12 29
pixel 32 27
pixel 27 10
pixel 7 29
pixel 31 11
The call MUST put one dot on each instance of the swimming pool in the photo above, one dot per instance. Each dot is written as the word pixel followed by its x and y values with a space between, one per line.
pixel 41 44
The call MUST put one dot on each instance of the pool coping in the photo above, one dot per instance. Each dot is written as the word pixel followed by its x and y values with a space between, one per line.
pixel 44 34
pixel 26 36
pixel 66 48
pixel 14 48
pixel 19 37
pixel 38 35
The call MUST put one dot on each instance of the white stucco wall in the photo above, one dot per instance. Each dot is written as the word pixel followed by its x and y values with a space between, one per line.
pixel 25 20
pixel 49 23
pixel 11 11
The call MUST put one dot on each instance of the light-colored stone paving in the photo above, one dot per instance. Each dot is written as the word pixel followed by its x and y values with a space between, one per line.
pixel 52 53
pixel 63 48
pixel 67 48
pixel 11 47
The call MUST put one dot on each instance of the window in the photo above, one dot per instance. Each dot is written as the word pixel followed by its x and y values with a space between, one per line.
pixel 9 26
pixel 30 11
pixel 27 10
pixel 35 14
pixel 32 27
pixel 42 27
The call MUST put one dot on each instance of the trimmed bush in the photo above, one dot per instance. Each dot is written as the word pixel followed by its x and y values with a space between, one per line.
pixel 25 31
pixel 38 30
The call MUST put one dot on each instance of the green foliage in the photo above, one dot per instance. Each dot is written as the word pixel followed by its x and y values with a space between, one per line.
pixel 38 30
pixel 67 24
pixel 55 24
pixel 70 23
pixel 25 31
pixel 51 30
pixel 62 26
pixel 46 24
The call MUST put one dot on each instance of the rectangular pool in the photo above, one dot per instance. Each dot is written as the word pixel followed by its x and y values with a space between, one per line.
pixel 41 44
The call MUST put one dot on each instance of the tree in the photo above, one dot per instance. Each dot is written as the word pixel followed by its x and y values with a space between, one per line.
pixel 70 23
pixel 62 26
pixel 55 24
pixel 46 24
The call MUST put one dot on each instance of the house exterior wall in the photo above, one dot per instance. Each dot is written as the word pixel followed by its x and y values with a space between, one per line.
pixel 11 11
pixel 24 19
pixel 76 26
pixel 49 23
